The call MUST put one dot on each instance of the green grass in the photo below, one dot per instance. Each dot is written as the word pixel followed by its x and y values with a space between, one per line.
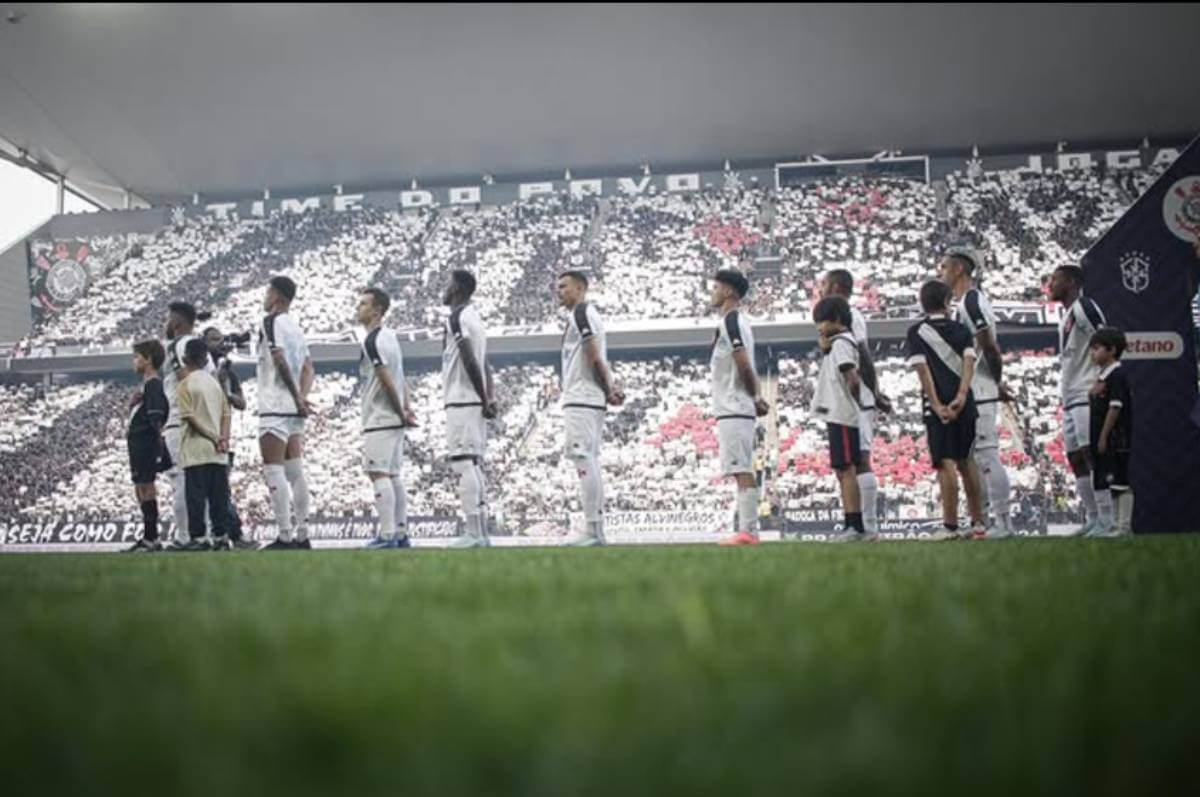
pixel 1037 666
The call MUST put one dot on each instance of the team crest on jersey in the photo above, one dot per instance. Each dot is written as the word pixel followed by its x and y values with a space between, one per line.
pixel 1181 209
pixel 1135 271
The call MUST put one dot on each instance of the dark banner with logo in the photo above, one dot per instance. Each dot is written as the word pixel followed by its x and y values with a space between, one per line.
pixel 62 271
pixel 1143 273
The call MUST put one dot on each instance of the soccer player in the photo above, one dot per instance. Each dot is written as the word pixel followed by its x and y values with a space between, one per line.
pixel 587 386
pixel 204 449
pixel 181 323
pixel 469 402
pixel 386 411
pixel 1081 319
pixel 1111 430
pixel 285 377
pixel 940 351
pixel 736 400
pixel 839 282
pixel 838 403
pixel 147 450
pixel 974 311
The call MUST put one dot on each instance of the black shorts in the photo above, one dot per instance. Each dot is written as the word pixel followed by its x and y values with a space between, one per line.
pixel 950 440
pixel 147 458
pixel 1111 471
pixel 844 449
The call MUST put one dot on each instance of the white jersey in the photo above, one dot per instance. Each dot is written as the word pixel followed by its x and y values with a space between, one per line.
pixel 1079 322
pixel 172 370
pixel 579 385
pixel 381 349
pixel 279 333
pixel 974 312
pixel 832 402
pixel 464 323
pixel 858 327
pixel 730 397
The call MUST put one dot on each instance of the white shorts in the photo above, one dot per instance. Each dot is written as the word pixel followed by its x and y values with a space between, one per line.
pixel 174 438
pixel 383 451
pixel 466 432
pixel 866 429
pixel 736 439
pixel 987 436
pixel 1077 426
pixel 583 430
pixel 284 427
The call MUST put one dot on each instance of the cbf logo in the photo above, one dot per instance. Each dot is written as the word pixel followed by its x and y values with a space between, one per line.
pixel 1135 271
pixel 1181 209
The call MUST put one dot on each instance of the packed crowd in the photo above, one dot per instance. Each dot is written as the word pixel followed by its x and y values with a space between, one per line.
pixel 648 254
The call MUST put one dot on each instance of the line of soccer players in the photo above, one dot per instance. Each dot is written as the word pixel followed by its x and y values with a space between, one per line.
pixel 180 424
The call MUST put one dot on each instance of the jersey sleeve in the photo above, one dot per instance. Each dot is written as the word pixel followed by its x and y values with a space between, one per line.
pixel 914 347
pixel 844 353
pixel 1118 390
pixel 733 331
pixel 371 349
pixel 858 326
pixel 154 402
pixel 1091 312
pixel 975 313
pixel 183 398
pixel 269 332
pixel 583 321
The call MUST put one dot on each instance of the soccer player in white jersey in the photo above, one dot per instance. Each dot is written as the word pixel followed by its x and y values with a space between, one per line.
pixel 469 402
pixel 1081 319
pixel 285 377
pixel 736 401
pixel 587 386
pixel 386 411
pixel 181 324
pixel 840 282
pixel 974 311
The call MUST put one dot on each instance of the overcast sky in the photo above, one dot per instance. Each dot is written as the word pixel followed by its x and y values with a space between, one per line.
pixel 27 200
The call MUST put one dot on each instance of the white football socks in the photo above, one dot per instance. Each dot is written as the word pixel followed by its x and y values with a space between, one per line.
pixel 400 506
pixel 385 507
pixel 281 499
pixel 997 488
pixel 747 510
pixel 868 488
pixel 1087 495
pixel 294 470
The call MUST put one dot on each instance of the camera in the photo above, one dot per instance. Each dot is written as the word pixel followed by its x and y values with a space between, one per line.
pixel 233 342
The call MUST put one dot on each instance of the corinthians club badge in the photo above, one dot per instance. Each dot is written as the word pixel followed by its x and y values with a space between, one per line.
pixel 1181 209
pixel 1135 271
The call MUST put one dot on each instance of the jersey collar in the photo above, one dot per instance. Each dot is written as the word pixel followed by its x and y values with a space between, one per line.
pixel 1108 371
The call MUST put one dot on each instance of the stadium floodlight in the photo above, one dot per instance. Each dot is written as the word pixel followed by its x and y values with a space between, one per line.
pixel 489 179
pixel 567 174
pixel 414 184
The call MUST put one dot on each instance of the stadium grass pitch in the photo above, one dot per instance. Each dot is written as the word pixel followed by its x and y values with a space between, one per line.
pixel 1048 666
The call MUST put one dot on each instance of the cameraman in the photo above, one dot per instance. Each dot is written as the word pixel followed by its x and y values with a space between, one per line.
pixel 219 348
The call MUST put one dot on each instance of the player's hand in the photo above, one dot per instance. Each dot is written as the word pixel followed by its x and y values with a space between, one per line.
pixel 1097 389
pixel 1006 395
pixel 1102 447
pixel 616 397
pixel 883 404
pixel 410 418
pixel 761 407
pixel 305 408
pixel 223 445
pixel 135 398
pixel 490 411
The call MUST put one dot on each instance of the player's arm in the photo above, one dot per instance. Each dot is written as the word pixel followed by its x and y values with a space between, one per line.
pixel 384 374
pixel 749 379
pixel 867 373
pixel 237 399
pixel 475 374
pixel 1110 423
pixel 409 415
pixel 964 385
pixel 226 419
pixel 157 409
pixel 600 372
pixel 927 387
pixel 985 342
pixel 853 381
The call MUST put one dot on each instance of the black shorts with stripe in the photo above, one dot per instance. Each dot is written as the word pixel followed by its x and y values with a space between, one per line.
pixel 954 440
pixel 844 448
pixel 148 457
pixel 1110 471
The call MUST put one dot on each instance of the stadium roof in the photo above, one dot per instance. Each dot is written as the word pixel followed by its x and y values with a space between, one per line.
pixel 225 100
